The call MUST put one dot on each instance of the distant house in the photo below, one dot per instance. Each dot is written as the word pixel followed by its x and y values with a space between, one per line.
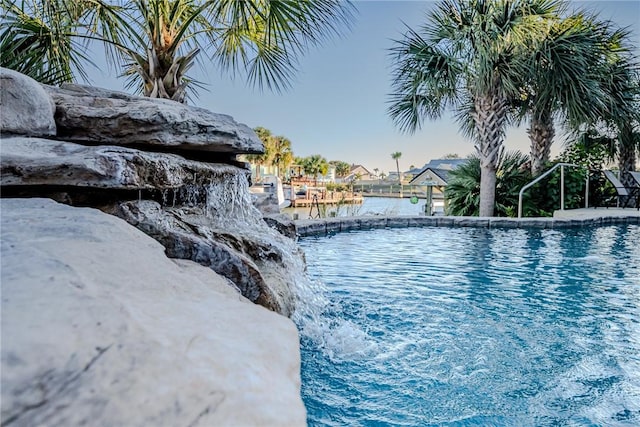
pixel 392 176
pixel 296 172
pixel 408 175
pixel 359 172
pixel 260 171
pixel 436 172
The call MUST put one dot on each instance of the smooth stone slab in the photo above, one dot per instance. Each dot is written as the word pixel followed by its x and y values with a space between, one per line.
pixel 310 227
pixel 319 227
pixel 504 223
pixel 372 222
pixel 349 224
pixel 470 222
pixel 98 116
pixel 397 222
pixel 35 161
pixel 333 225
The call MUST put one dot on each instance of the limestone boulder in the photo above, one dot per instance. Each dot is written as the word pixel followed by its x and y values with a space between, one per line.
pixel 253 266
pixel 99 327
pixel 39 162
pixel 26 108
pixel 282 223
pixel 97 116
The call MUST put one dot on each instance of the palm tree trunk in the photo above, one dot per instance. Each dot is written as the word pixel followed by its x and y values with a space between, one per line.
pixel 626 163
pixel 490 115
pixel 541 132
pixel 399 178
pixel 487 190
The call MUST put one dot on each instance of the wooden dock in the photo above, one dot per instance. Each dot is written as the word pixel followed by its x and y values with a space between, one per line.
pixel 312 198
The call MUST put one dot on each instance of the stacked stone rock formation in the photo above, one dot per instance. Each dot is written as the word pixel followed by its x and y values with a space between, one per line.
pixel 105 148
pixel 169 170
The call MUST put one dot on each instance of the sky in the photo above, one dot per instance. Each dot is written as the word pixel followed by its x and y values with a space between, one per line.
pixel 337 104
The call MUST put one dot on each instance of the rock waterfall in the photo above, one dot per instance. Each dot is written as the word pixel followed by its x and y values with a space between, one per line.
pixel 170 171
pixel 164 167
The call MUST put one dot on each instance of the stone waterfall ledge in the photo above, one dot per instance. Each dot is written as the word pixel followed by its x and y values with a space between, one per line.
pixel 35 162
pixel 323 227
pixel 99 327
pixel 98 116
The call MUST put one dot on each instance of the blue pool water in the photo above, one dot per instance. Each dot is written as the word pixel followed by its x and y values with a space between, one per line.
pixel 473 327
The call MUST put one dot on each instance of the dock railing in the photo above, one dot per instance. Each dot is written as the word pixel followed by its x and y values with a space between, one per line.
pixel 547 173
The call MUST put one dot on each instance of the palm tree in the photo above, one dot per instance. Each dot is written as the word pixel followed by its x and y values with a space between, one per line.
pixel 342 168
pixel 315 165
pixel 567 79
pixel 628 149
pixel 262 159
pixel 622 113
pixel 617 129
pixel 158 40
pixel 163 46
pixel 467 56
pixel 463 191
pixel 281 155
pixel 396 156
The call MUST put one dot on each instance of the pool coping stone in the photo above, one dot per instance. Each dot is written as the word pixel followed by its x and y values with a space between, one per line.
pixel 327 226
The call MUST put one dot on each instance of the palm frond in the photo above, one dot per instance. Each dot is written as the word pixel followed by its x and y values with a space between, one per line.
pixel 37 43
pixel 425 81
pixel 264 39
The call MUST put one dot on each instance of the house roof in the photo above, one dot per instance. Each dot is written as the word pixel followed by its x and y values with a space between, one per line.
pixel 437 177
pixel 413 171
pixel 437 171
pixel 354 168
pixel 447 164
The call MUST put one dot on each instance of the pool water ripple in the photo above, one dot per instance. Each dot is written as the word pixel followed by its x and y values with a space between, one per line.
pixel 463 327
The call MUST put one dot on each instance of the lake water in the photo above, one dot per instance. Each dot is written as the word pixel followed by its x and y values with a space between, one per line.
pixel 370 206
pixel 473 327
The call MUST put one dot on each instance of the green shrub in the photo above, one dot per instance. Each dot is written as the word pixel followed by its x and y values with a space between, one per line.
pixel 337 187
pixel 544 197
pixel 463 190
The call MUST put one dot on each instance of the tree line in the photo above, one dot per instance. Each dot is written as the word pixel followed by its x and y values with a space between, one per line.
pixel 278 154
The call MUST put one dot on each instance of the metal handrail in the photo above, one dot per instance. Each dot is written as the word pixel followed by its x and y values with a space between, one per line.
pixel 544 175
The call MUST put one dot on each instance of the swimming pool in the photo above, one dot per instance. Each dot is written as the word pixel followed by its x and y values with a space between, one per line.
pixel 473 327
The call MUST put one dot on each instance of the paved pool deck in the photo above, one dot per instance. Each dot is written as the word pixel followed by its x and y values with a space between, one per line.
pixel 596 213
pixel 574 218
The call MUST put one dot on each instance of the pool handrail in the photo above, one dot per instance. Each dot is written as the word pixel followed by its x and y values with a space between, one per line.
pixel 544 175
